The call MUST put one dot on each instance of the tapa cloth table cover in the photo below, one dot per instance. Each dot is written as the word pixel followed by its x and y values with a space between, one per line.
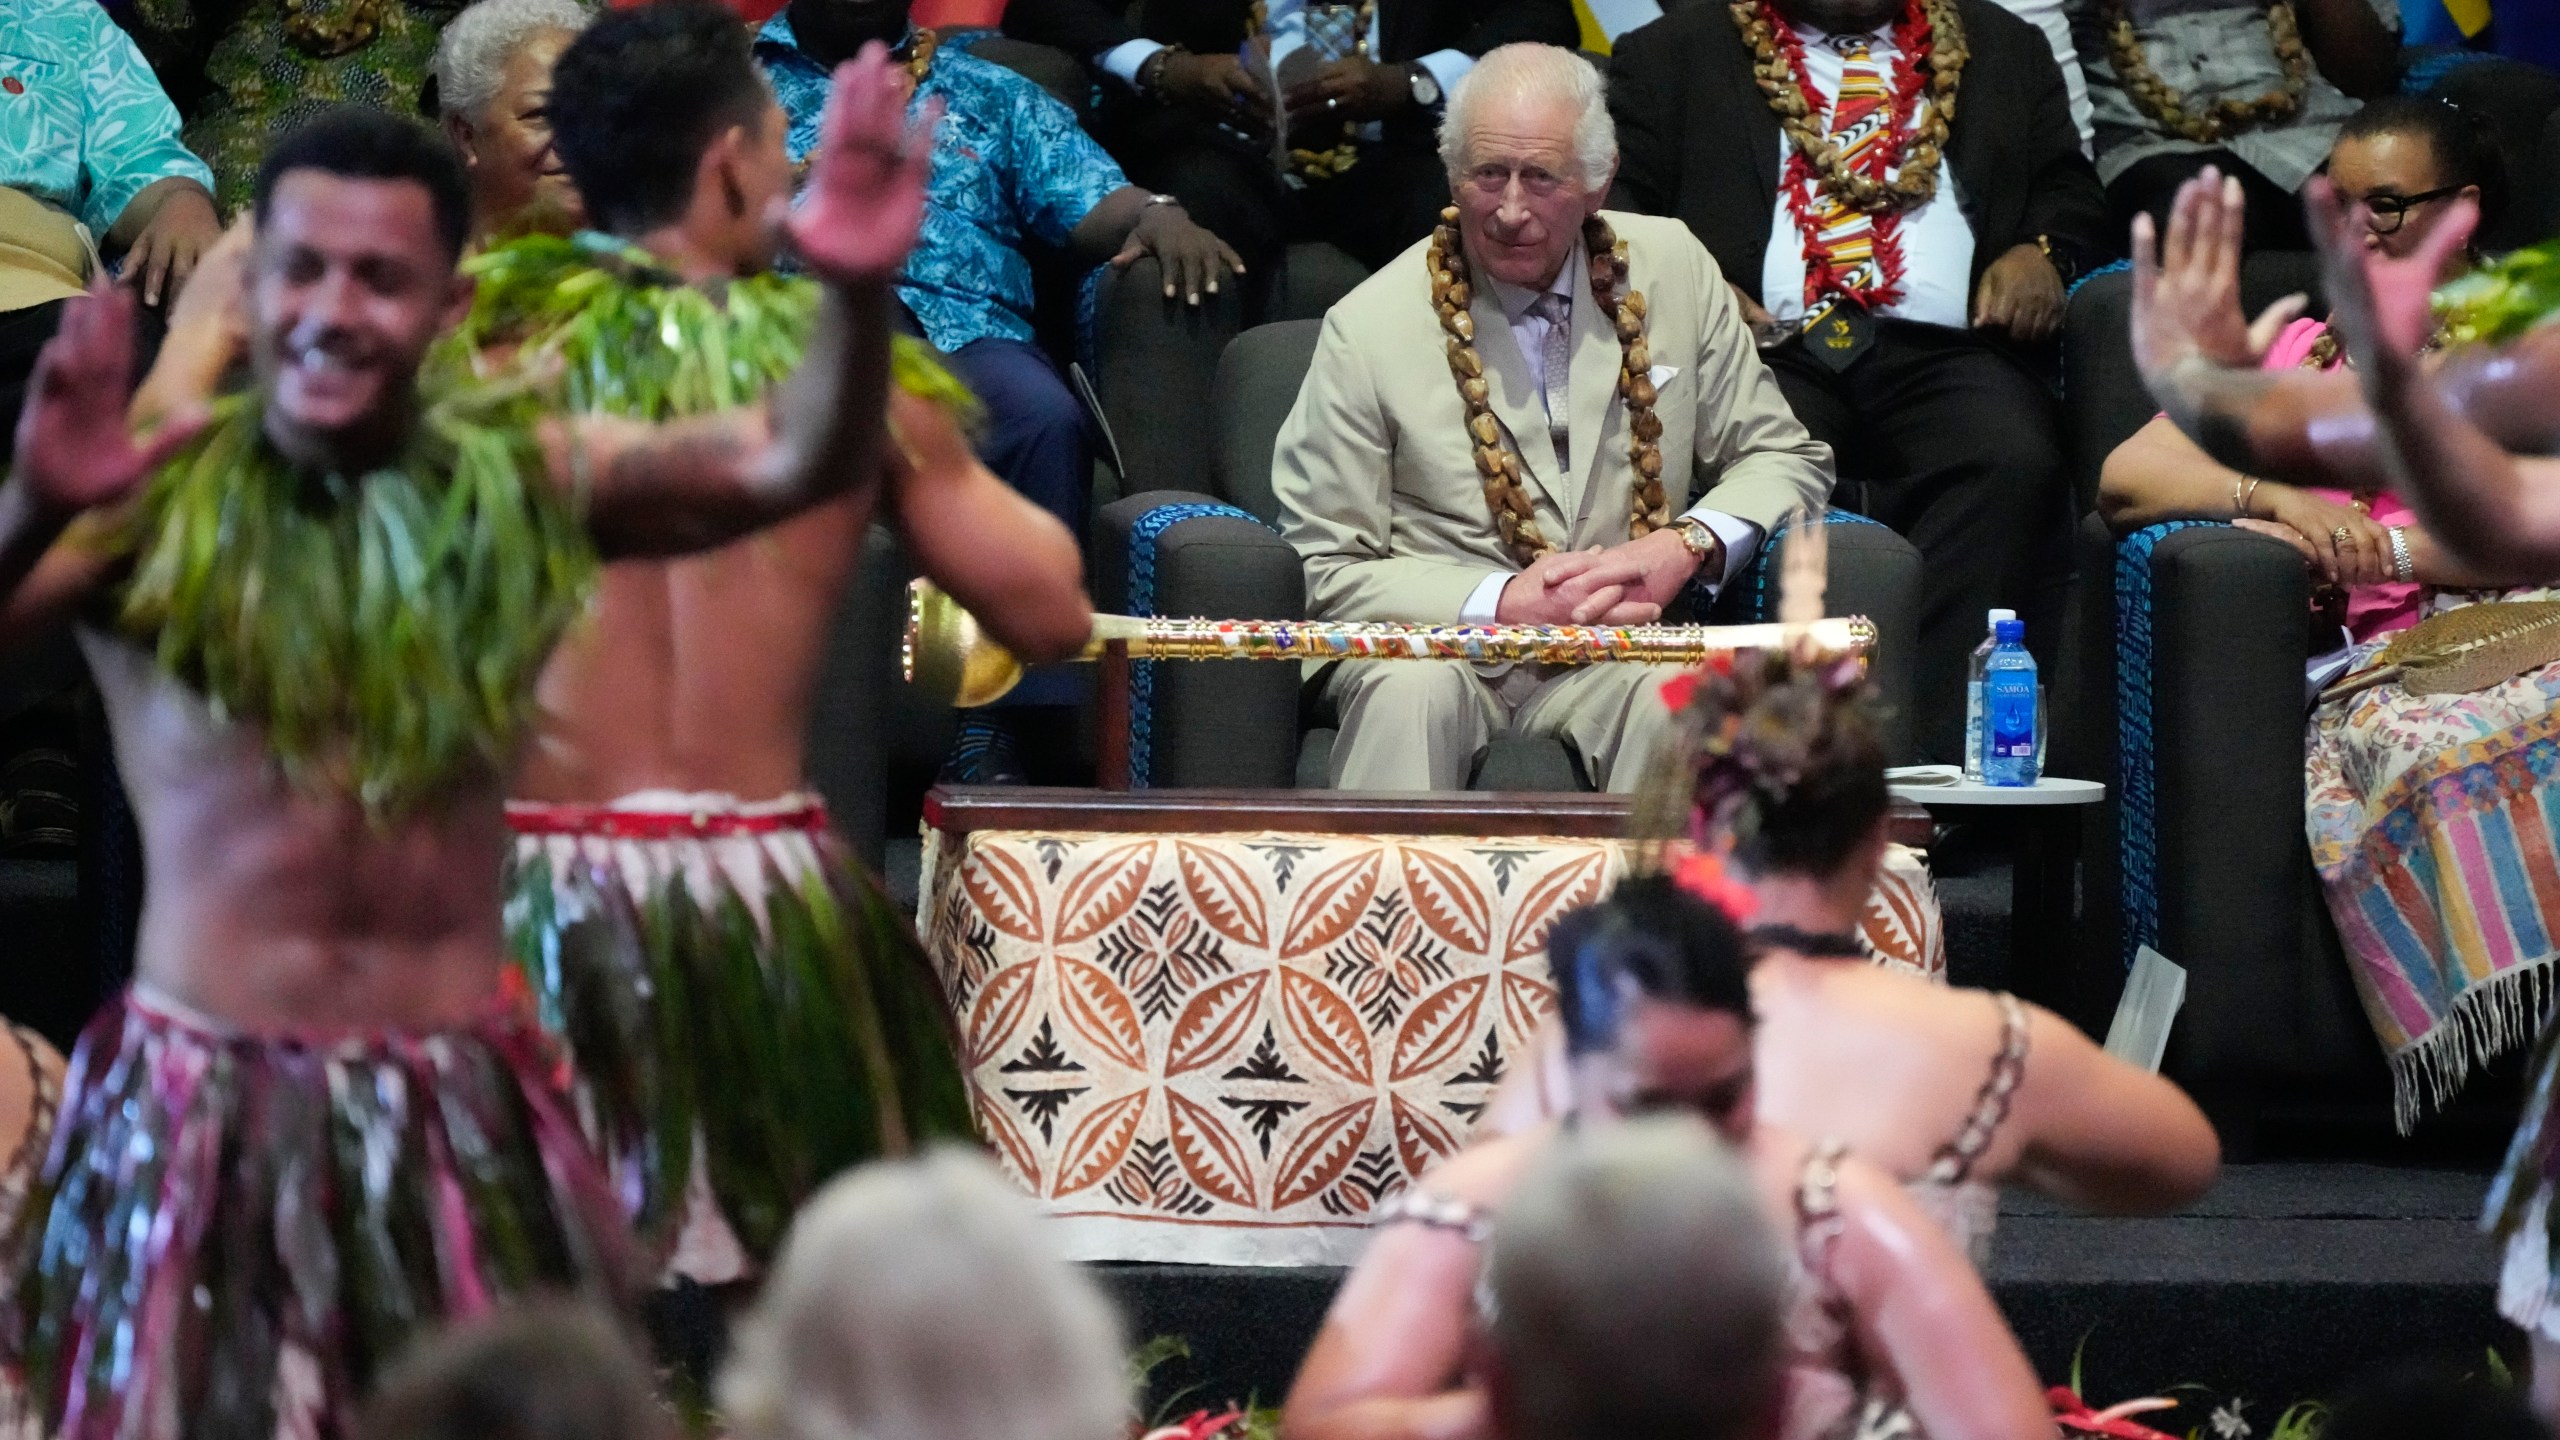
pixel 1229 1048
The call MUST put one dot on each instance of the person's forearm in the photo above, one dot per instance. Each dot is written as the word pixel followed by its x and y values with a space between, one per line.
pixel 1007 561
pixel 1105 228
pixel 2353 48
pixel 138 211
pixel 2435 565
pixel 827 418
pixel 28 529
pixel 1454 1415
pixel 2304 427
pixel 186 372
pixel 2158 474
pixel 2508 390
pixel 2469 491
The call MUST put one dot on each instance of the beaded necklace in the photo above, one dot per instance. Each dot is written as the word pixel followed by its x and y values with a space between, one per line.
pixel 1497 465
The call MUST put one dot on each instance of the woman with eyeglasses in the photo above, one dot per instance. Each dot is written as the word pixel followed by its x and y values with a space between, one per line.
pixel 1887 1323
pixel 2432 819
pixel 2406 159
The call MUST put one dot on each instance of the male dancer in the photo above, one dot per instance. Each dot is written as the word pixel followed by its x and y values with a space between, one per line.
pixel 748 1013
pixel 316 617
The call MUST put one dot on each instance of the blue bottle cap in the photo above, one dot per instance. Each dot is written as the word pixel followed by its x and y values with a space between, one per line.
pixel 2009 632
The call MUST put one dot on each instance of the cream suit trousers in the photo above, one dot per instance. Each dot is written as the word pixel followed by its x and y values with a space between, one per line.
pixel 1419 725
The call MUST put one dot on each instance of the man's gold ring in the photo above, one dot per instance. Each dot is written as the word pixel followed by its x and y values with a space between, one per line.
pixel 2338 538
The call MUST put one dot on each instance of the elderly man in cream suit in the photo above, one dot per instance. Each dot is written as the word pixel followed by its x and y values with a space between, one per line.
pixel 1557 487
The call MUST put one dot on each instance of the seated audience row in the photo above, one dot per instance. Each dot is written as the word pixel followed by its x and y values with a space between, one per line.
pixel 1901 328
pixel 2440 909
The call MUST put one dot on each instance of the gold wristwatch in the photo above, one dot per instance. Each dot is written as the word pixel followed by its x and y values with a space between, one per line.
pixel 1699 536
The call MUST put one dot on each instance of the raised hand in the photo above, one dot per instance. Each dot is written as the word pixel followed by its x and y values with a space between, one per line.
pixel 2380 307
pixel 2186 285
pixel 858 217
pixel 74 451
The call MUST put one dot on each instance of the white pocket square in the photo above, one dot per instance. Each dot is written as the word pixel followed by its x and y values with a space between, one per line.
pixel 1661 375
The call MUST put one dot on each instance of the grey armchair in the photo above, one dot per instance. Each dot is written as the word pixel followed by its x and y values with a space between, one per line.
pixel 1216 554
pixel 2182 689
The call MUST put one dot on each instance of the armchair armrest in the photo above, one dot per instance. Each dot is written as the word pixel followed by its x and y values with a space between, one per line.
pixel 1875 573
pixel 1173 552
pixel 2212 628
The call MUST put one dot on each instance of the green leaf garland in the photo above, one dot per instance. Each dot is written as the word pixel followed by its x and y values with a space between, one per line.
pixel 386 630
pixel 2503 299
pixel 621 335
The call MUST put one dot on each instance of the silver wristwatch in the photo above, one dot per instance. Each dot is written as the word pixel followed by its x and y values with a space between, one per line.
pixel 1426 86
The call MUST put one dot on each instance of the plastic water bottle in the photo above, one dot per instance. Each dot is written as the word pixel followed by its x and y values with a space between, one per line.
pixel 1973 693
pixel 2009 708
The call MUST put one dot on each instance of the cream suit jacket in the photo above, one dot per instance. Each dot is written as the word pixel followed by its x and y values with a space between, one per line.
pixel 1376 477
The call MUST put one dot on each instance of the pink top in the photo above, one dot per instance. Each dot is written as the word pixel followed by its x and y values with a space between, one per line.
pixel 2371 609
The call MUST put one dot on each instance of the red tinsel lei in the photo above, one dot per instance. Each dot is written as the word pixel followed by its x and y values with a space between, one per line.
pixel 1681 688
pixel 2074 1416
pixel 1703 873
pixel 1912 40
pixel 1198 1425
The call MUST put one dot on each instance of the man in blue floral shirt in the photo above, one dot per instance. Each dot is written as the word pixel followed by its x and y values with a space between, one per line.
pixel 90 161
pixel 1010 167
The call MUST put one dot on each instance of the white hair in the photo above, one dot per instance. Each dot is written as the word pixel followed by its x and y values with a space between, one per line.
pixel 1638 1290
pixel 471 55
pixel 921 1300
pixel 1531 72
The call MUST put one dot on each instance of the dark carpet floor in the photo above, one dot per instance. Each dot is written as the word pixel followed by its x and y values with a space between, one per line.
pixel 2287 1282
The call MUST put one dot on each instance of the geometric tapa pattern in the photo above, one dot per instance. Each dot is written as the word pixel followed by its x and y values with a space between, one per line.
pixel 1230 1048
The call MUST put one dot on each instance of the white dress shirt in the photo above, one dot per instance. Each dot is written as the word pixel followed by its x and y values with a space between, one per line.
pixel 1613 18
pixel 1741 538
pixel 2053 17
pixel 1285 21
pixel 1937 241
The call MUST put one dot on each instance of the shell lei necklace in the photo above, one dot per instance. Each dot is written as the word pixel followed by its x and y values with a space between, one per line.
pixel 1497 465
pixel 1928 37
pixel 917 53
pixel 2173 111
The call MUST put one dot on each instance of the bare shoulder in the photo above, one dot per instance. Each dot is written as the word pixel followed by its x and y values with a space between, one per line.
pixel 1483 1173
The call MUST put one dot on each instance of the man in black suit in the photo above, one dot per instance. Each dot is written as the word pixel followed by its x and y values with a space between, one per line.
pixel 1900 304
pixel 1188 118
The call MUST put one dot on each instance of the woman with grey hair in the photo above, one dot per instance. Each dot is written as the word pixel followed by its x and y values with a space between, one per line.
pixel 920 1300
pixel 1638 1292
pixel 493 89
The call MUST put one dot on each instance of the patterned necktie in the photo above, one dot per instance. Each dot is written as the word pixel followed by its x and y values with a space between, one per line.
pixel 1860 119
pixel 1557 311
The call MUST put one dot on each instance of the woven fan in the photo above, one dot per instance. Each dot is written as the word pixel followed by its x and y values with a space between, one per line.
pixel 2464 650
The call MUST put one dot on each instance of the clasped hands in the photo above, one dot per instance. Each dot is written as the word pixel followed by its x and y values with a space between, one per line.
pixel 1352 90
pixel 1625 584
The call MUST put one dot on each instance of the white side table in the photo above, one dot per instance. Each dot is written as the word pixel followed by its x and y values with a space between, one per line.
pixel 2042 824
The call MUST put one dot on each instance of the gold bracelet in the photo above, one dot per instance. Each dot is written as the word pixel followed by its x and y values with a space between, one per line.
pixel 2243 491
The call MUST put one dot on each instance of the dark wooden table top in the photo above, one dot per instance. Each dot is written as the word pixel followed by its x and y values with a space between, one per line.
pixel 959 809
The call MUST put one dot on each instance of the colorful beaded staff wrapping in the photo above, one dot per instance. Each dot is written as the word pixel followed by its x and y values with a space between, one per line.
pixel 1475 644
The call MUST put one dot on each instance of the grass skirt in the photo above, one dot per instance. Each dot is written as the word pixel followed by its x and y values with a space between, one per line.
pixel 233 1233
pixel 742 1003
